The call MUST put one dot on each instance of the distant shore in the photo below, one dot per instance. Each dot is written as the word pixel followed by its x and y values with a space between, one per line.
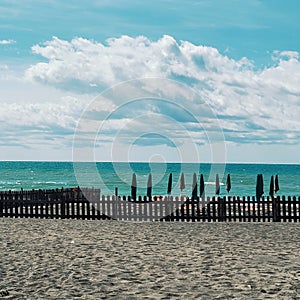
pixel 75 259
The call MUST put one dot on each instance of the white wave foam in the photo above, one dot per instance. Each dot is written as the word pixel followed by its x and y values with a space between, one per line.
pixel 212 183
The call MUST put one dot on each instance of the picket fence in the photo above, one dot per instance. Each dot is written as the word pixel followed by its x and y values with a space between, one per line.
pixel 88 203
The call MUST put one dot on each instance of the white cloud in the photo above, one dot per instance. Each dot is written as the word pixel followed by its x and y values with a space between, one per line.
pixel 251 106
pixel 7 42
pixel 128 58
pixel 249 102
pixel 32 115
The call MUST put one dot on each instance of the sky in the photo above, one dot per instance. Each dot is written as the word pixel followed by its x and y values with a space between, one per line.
pixel 194 80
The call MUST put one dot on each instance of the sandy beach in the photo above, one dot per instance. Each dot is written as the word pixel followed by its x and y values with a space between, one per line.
pixel 80 259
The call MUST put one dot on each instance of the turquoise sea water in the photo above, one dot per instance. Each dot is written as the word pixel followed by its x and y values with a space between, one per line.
pixel 107 176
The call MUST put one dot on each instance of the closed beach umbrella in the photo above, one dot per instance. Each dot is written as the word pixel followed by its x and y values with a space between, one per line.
pixel 182 182
pixel 133 187
pixel 202 187
pixel 170 184
pixel 149 186
pixel 228 183
pixel 217 185
pixel 195 187
pixel 271 193
pixel 259 186
pixel 276 184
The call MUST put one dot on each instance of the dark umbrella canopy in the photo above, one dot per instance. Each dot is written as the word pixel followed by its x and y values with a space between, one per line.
pixel 202 187
pixel 262 184
pixel 149 186
pixel 276 188
pixel 228 183
pixel 271 193
pixel 195 187
pixel 170 184
pixel 133 187
pixel 182 182
pixel 259 186
pixel 217 185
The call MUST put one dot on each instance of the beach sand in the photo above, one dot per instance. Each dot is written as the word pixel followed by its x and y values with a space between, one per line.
pixel 80 259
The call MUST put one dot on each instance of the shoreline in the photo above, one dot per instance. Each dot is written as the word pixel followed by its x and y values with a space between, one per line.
pixel 87 259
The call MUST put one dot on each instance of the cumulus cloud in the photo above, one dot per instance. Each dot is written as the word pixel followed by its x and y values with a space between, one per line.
pixel 127 58
pixel 7 42
pixel 260 105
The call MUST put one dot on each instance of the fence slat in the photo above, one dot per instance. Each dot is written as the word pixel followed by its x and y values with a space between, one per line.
pixel 289 208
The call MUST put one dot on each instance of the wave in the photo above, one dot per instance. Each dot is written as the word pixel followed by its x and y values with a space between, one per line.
pixel 49 182
pixel 212 183
pixel 10 182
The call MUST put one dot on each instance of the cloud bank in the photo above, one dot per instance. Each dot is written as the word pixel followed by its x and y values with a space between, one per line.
pixel 249 105
pixel 252 105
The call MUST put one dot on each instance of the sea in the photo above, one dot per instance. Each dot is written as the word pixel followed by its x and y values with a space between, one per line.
pixel 27 175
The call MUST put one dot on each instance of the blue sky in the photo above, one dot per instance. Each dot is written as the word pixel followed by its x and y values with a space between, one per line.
pixel 240 57
pixel 242 28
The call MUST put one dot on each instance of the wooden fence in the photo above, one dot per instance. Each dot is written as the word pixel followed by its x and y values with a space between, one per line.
pixel 87 203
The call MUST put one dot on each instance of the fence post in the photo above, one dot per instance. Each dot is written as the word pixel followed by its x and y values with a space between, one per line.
pixel 279 209
pixel 62 204
pixel 275 204
pixel 46 204
pixel 289 203
pixel 98 201
pixel 224 211
pixel 67 203
pixel 104 206
pixel 93 203
pixel 196 211
pixel 220 213
pixel 294 209
pixel 11 204
pixel 283 201
pixel 87 200
pixel 221 209
pixel 182 206
pixel 114 213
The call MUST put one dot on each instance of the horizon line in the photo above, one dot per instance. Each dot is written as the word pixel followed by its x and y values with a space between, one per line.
pixel 167 162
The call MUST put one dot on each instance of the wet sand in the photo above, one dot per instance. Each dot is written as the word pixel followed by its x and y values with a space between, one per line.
pixel 80 259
